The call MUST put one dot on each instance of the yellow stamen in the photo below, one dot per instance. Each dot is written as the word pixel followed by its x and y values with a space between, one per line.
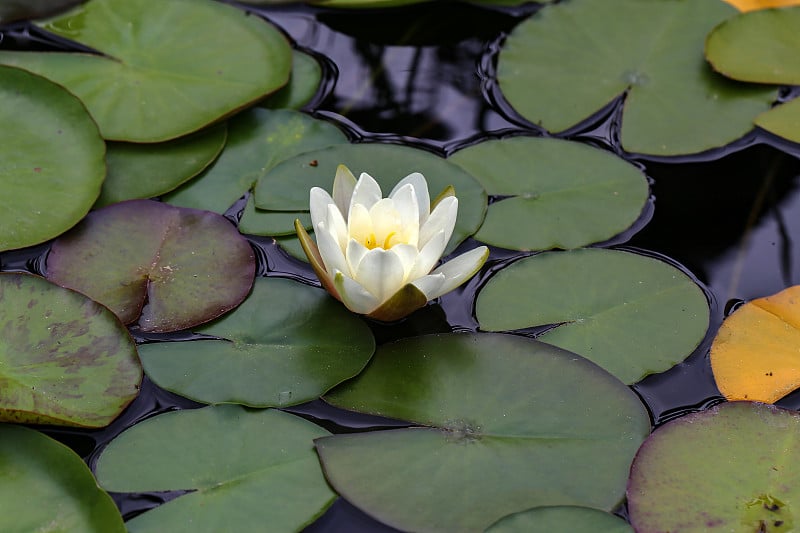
pixel 386 244
pixel 371 241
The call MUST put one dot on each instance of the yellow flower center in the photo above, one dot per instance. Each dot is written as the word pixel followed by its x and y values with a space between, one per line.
pixel 371 241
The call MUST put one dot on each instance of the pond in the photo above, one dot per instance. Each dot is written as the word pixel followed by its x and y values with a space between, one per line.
pixel 425 76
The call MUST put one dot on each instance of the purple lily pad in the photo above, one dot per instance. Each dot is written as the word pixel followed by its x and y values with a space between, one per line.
pixel 64 359
pixel 729 468
pixel 169 267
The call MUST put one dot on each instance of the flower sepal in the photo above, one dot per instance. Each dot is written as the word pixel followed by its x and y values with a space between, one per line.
pixel 403 303
pixel 314 258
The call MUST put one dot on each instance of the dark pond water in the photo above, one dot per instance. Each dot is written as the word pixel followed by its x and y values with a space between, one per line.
pixel 422 76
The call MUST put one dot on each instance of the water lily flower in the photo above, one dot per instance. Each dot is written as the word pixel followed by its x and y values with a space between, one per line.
pixel 377 255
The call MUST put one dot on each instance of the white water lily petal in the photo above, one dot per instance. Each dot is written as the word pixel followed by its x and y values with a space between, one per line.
pixel 359 226
pixel 408 258
pixel 405 202
pixel 420 185
pixel 367 192
pixel 381 273
pixel 343 185
pixel 354 254
pixel 354 296
pixel 329 249
pixel 318 202
pixel 430 284
pixel 336 225
pixel 385 222
pixel 458 270
pixel 443 217
pixel 429 255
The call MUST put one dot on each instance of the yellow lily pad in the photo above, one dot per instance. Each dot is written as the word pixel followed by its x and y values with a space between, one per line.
pixel 753 5
pixel 756 353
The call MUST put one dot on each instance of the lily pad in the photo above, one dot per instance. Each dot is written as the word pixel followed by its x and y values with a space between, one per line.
pixel 634 315
pixel 157 80
pixel 754 355
pixel 730 468
pixel 750 5
pixel 762 46
pixel 148 170
pixel 758 47
pixel 258 139
pixel 64 359
pixel 45 486
pixel 45 191
pixel 175 267
pixel 502 435
pixel 570 193
pixel 247 470
pixel 288 343
pixel 303 84
pixel 563 518
pixel 650 51
pixel 286 187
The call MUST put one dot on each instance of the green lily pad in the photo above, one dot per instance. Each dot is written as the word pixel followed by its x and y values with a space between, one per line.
pixel 157 79
pixel 303 84
pixel 258 139
pixel 273 223
pixel 175 267
pixel 563 518
pixel 45 191
pixel 149 170
pixel 288 343
pixel 501 437
pixel 782 120
pixel 762 46
pixel 248 470
pixel 633 315
pixel 45 486
pixel 730 468
pixel 572 194
pixel 286 187
pixel 64 359
pixel 652 51
pixel 759 46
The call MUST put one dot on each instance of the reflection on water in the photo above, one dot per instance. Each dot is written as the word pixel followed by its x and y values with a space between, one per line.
pixel 405 73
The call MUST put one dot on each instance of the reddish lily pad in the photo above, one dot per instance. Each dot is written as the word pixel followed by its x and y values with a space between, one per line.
pixel 176 267
pixel 64 359
pixel 730 468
